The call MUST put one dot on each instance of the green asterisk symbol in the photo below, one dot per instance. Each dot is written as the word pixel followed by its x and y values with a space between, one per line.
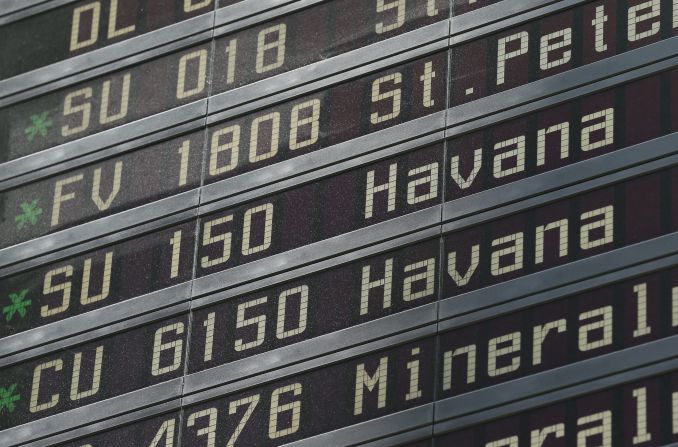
pixel 8 397
pixel 18 306
pixel 40 125
pixel 30 214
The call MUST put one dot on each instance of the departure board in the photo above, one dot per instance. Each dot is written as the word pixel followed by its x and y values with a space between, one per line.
pixel 325 222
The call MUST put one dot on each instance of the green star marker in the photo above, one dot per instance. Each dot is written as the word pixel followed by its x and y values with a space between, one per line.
pixel 8 397
pixel 19 305
pixel 40 124
pixel 30 213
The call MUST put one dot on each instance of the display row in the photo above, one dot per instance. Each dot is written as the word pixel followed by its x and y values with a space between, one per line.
pixel 274 144
pixel 560 42
pixel 643 411
pixel 83 26
pixel 367 382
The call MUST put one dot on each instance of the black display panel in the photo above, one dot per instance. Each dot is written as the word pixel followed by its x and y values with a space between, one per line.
pixel 565 331
pixel 92 372
pixel 314 34
pixel 315 305
pixel 83 26
pixel 422 443
pixel 160 431
pixel 103 103
pixel 223 3
pixel 314 402
pixel 96 279
pixel 640 413
pixel 101 189
pixel 554 44
pixel 460 7
pixel 337 114
pixel 316 211
pixel 578 130
pixel 632 211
